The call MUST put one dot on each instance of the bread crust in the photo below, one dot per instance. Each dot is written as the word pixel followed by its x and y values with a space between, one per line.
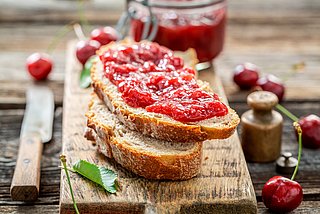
pixel 178 166
pixel 169 130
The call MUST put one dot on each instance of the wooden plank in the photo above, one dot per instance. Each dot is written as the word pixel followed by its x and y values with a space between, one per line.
pixel 289 35
pixel 299 85
pixel 99 11
pixel 273 47
pixel 60 11
pixel 305 207
pixel 35 209
pixel 223 185
pixel 10 121
pixel 14 92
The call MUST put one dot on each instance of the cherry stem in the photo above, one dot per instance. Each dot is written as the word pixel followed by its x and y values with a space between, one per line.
pixel 299 130
pixel 287 113
pixel 296 125
pixel 58 36
pixel 78 31
pixel 83 20
pixel 64 163
pixel 71 170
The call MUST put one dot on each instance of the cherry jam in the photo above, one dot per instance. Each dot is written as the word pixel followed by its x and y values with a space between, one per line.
pixel 149 76
pixel 184 24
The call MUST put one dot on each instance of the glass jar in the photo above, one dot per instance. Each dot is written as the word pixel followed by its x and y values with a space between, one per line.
pixel 182 24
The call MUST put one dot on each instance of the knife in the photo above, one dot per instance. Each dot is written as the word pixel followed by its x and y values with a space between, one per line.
pixel 36 129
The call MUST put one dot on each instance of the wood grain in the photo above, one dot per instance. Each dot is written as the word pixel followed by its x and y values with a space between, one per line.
pixel 223 185
pixel 305 207
pixel 273 47
pixel 263 32
pixel 272 34
pixel 26 178
pixel 48 201
pixel 10 121
pixel 99 12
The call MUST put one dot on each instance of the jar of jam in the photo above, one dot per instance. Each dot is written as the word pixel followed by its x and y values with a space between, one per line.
pixel 181 24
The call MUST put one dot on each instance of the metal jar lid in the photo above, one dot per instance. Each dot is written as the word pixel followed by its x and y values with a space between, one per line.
pixel 286 163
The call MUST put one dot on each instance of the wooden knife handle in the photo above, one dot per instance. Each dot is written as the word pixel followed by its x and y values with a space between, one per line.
pixel 26 178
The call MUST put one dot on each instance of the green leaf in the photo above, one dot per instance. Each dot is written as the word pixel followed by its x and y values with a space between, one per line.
pixel 100 175
pixel 85 79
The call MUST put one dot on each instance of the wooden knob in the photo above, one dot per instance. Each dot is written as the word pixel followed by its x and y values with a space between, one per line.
pixel 262 100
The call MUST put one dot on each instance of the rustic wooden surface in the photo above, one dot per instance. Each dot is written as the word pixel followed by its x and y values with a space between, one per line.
pixel 223 185
pixel 273 34
pixel 48 201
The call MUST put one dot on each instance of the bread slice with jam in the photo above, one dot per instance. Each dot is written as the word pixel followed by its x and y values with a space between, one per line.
pixel 145 156
pixel 158 125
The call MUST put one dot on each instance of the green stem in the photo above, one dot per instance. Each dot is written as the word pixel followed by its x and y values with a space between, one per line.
pixel 296 125
pixel 286 112
pixel 69 169
pixel 83 19
pixel 298 128
pixel 78 31
pixel 64 163
pixel 58 36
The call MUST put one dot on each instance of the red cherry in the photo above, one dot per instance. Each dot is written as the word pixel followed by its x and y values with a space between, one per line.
pixel 104 35
pixel 246 75
pixel 39 65
pixel 310 126
pixel 273 84
pixel 281 194
pixel 86 49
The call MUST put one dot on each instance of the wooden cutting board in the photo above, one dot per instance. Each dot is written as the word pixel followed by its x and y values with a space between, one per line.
pixel 223 185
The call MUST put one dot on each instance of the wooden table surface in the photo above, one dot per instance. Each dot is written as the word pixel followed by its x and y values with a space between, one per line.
pixel 273 34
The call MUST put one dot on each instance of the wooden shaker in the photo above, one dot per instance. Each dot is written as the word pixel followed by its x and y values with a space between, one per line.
pixel 261 128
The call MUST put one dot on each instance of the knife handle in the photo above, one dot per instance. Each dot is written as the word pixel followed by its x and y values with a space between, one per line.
pixel 26 178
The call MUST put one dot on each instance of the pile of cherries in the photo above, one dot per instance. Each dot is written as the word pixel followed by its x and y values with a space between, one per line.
pixel 279 194
pixel 99 37
pixel 40 65
pixel 246 76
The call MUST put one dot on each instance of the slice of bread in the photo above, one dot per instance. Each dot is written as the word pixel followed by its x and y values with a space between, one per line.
pixel 145 156
pixel 158 125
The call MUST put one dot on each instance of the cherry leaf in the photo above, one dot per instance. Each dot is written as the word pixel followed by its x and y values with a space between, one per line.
pixel 85 79
pixel 100 175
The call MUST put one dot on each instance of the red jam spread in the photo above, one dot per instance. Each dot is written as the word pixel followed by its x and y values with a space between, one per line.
pixel 149 76
pixel 205 33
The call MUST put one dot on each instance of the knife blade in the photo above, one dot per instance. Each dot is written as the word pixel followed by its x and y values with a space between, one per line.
pixel 36 129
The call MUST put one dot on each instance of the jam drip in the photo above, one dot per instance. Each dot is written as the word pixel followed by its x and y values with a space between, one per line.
pixel 149 76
